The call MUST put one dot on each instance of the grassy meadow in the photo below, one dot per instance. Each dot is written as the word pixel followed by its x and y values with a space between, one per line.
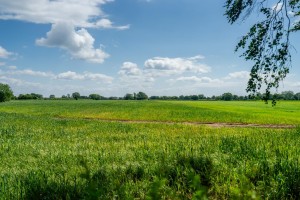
pixel 85 150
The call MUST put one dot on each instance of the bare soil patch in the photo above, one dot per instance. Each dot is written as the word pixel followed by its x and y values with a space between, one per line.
pixel 210 124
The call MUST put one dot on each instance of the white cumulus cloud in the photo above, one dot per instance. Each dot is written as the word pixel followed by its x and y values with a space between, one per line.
pixel 69 19
pixel 131 76
pixel 238 75
pixel 69 75
pixel 28 72
pixel 177 65
pixel 156 68
pixel 80 13
pixel 196 79
pixel 17 82
pixel 4 53
pixel 107 24
pixel 79 43
pixel 130 69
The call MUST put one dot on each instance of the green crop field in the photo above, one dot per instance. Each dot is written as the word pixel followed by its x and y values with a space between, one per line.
pixel 168 111
pixel 145 150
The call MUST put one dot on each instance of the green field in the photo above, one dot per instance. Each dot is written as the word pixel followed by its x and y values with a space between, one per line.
pixel 108 150
pixel 167 111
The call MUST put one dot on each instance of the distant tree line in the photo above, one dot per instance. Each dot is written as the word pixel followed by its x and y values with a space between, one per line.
pixel 6 94
pixel 29 96
pixel 285 95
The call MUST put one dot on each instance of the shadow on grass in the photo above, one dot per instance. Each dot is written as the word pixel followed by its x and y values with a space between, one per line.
pixel 188 177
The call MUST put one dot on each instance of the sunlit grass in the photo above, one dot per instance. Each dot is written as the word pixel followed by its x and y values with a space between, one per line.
pixel 177 111
pixel 48 151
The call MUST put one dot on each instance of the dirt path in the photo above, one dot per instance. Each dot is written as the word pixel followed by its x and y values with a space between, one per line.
pixel 210 124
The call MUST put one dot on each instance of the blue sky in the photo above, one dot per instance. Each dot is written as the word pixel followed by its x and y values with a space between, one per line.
pixel 161 47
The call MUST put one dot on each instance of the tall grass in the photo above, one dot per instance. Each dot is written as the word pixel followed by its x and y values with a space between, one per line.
pixel 44 157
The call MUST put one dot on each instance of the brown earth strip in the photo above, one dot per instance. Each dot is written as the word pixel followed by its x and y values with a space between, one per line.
pixel 210 124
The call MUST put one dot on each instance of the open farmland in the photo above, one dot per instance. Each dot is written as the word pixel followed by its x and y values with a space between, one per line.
pixel 147 150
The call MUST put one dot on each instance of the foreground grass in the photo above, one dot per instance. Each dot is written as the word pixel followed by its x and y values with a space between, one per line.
pixel 44 157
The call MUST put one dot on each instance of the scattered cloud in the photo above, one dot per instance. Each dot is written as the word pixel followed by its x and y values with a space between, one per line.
pixel 155 68
pixel 98 77
pixel 86 13
pixel 232 80
pixel 130 69
pixel 79 43
pixel 69 19
pixel 28 72
pixel 277 7
pixel 150 77
pixel 238 75
pixel 69 75
pixel 198 79
pixel 131 77
pixel 189 78
pixel 4 53
pixel 179 65
pixel 296 84
pixel 12 67
pixel 17 82
pixel 88 82
pixel 107 24
pixel 27 81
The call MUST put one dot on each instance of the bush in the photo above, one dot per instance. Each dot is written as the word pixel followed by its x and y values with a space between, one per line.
pixel 141 96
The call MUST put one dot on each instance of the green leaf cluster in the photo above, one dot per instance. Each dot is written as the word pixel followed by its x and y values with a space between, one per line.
pixel 267 44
